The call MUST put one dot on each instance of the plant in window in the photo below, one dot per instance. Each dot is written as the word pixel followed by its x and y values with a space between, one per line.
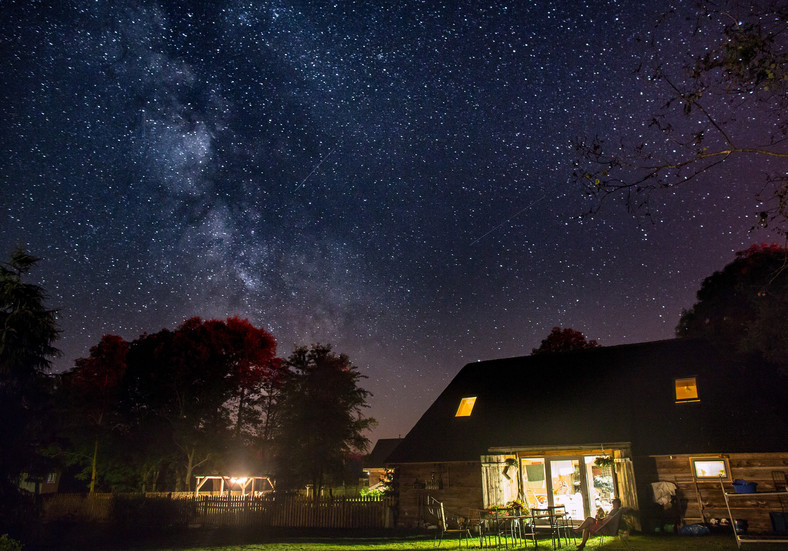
pixel 604 461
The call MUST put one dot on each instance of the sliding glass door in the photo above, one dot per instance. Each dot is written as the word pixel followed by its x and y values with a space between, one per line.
pixel 568 486
pixel 576 482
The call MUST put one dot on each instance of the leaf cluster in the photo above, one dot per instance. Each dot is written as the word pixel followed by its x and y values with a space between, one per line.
pixel 564 340
pixel 743 306
pixel 27 328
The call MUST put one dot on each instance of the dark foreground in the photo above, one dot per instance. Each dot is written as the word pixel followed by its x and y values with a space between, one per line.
pixel 94 538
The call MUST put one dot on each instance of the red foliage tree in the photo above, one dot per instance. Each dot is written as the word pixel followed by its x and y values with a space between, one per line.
pixel 93 386
pixel 204 381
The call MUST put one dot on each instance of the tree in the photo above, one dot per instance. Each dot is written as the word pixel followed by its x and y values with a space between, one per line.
pixel 92 388
pixel 28 331
pixel 321 421
pixel 257 374
pixel 199 382
pixel 564 340
pixel 727 103
pixel 745 305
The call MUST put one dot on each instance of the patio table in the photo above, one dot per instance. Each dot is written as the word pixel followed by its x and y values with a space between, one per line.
pixel 503 527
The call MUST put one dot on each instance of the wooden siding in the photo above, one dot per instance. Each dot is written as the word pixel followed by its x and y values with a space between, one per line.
pixel 457 484
pixel 496 489
pixel 704 500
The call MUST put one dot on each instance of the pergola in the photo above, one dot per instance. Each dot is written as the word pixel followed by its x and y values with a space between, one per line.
pixel 247 485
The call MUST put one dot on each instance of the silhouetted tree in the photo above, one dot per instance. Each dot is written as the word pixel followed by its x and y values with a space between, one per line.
pixel 745 305
pixel 563 340
pixel 28 330
pixel 727 103
pixel 321 421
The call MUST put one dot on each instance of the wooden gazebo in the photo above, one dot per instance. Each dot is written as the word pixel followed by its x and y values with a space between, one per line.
pixel 247 485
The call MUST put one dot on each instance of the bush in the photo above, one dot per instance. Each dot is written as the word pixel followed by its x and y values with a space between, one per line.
pixel 9 544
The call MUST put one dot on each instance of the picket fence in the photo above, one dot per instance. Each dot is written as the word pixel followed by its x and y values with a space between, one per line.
pixel 268 511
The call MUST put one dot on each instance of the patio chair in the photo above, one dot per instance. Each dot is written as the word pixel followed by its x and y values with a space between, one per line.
pixel 545 520
pixel 524 529
pixel 449 523
pixel 616 526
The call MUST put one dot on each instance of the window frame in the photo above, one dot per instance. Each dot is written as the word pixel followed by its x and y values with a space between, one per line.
pixel 726 468
pixel 676 384
pixel 466 403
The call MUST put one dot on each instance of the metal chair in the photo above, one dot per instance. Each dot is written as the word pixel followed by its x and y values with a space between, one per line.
pixel 556 522
pixel 563 525
pixel 449 523
pixel 543 521
pixel 489 529
pixel 524 528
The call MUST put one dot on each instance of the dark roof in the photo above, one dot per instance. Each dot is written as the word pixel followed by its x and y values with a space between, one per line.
pixel 606 395
pixel 380 453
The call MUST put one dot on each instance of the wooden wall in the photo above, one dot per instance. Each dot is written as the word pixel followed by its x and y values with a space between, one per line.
pixel 704 500
pixel 456 484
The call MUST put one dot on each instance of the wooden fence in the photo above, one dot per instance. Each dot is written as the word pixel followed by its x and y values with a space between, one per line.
pixel 294 512
pixel 269 511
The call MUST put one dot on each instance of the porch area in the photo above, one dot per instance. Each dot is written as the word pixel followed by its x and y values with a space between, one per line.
pixel 580 481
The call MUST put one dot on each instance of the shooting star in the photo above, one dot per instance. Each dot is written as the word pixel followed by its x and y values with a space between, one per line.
pixel 316 167
pixel 512 217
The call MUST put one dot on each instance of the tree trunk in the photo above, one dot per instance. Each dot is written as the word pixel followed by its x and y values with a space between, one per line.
pixel 189 469
pixel 241 405
pixel 93 468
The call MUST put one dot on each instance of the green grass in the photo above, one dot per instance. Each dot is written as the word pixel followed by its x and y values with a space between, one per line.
pixel 635 543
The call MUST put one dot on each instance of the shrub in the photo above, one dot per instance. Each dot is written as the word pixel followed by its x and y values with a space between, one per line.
pixel 9 544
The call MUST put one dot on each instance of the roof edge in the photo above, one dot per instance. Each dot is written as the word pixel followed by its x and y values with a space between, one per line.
pixel 598 446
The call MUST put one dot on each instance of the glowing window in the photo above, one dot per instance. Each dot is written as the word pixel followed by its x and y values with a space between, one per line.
pixel 710 468
pixel 687 390
pixel 466 407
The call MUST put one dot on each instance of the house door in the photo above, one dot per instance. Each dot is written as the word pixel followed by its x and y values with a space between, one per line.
pixel 576 482
pixel 568 485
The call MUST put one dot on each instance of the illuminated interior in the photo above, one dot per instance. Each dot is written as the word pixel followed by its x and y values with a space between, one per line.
pixel 466 407
pixel 713 468
pixel 687 390
pixel 577 483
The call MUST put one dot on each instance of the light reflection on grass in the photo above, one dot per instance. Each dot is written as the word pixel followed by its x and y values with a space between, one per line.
pixel 635 543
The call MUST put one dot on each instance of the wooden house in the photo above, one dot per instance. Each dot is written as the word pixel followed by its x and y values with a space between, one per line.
pixel 661 425
pixel 374 464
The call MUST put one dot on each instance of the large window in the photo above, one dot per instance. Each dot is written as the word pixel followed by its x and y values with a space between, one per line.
pixel 534 483
pixel 582 484
pixel 599 473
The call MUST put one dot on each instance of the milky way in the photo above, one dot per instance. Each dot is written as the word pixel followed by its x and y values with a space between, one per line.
pixel 391 179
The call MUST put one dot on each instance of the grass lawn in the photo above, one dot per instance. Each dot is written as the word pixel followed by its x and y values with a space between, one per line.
pixel 635 543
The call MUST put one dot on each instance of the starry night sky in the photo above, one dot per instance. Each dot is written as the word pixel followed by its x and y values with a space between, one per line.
pixel 392 178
